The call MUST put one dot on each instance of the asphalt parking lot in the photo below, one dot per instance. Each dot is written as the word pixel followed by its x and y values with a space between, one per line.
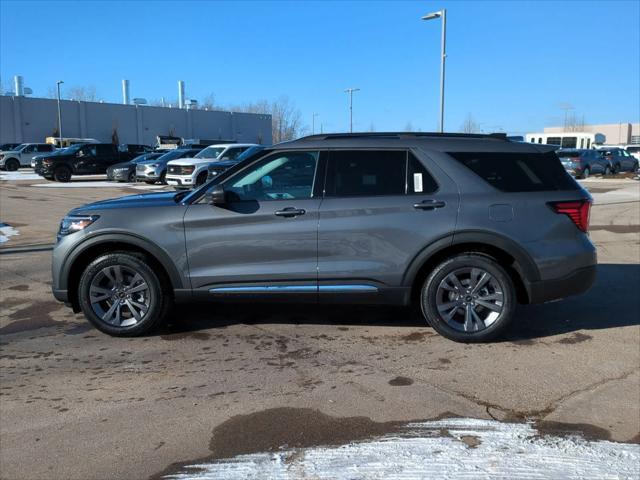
pixel 75 403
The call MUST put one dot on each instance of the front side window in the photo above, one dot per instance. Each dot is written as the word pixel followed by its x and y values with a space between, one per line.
pixel 366 173
pixel 281 176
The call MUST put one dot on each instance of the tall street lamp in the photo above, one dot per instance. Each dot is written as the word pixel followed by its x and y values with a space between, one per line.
pixel 350 92
pixel 58 83
pixel 313 123
pixel 441 14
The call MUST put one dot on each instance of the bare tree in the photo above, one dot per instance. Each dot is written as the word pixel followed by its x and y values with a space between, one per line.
pixel 209 102
pixel 574 123
pixel 286 119
pixel 470 125
pixel 85 94
pixel 408 127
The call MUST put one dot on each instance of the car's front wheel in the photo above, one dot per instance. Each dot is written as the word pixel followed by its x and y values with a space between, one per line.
pixel 12 165
pixel 62 174
pixel 468 298
pixel 585 173
pixel 121 295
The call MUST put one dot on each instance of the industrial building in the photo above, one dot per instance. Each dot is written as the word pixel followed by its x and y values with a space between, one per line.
pixel 26 119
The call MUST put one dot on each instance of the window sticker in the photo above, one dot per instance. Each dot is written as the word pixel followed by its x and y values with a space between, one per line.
pixel 417 182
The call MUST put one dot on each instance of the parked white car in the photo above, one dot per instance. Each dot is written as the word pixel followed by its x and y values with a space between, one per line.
pixel 192 172
pixel 23 154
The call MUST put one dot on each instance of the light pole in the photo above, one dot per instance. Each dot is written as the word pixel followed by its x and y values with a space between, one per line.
pixel 313 123
pixel 441 14
pixel 350 92
pixel 58 83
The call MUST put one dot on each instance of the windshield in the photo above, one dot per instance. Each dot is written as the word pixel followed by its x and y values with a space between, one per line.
pixel 172 155
pixel 249 152
pixel 72 148
pixel 146 156
pixel 210 152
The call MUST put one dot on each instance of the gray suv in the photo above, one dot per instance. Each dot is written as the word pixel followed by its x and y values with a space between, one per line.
pixel 465 226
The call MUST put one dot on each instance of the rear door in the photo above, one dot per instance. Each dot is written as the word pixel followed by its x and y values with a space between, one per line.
pixel 381 208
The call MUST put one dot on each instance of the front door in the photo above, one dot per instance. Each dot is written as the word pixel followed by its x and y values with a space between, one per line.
pixel 381 208
pixel 264 239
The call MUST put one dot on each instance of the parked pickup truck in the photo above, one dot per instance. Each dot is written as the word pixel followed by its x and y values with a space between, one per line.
pixel 79 159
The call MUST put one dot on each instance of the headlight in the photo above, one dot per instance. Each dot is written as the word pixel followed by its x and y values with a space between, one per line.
pixel 75 223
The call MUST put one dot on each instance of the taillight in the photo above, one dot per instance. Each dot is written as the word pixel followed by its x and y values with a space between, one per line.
pixel 577 211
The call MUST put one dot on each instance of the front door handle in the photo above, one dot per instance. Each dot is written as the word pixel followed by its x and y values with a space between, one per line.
pixel 290 212
pixel 429 204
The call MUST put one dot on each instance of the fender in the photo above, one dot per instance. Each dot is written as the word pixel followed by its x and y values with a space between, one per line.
pixel 525 265
pixel 177 281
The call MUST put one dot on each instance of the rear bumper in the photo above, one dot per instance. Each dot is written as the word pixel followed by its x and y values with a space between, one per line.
pixel 577 282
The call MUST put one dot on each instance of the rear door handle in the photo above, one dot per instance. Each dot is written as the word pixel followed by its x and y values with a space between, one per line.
pixel 429 204
pixel 290 212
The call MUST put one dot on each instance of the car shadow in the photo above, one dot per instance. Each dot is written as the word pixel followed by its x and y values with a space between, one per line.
pixel 613 301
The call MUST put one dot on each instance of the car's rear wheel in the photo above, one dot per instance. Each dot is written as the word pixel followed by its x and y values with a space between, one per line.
pixel 468 298
pixel 62 174
pixel 121 295
pixel 12 165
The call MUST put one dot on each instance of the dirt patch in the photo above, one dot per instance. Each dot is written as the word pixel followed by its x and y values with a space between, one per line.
pixel 183 335
pixel 400 381
pixel 471 441
pixel 590 432
pixel 616 228
pixel 575 338
pixel 415 336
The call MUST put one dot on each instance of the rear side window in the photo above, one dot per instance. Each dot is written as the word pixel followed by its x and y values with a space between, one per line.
pixel 366 173
pixel 518 172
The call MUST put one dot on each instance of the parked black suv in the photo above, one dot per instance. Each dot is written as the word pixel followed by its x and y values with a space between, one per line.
pixel 79 159
pixel 465 226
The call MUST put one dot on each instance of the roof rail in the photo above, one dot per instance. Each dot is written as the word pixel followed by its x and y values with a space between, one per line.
pixel 398 135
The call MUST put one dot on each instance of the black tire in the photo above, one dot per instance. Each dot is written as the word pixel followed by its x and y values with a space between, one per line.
pixel 431 295
pixel 201 178
pixel 163 176
pixel 12 165
pixel 616 168
pixel 157 295
pixel 585 173
pixel 62 174
pixel 132 177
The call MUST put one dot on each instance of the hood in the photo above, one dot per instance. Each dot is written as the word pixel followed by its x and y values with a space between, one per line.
pixel 120 165
pixel 130 201
pixel 189 161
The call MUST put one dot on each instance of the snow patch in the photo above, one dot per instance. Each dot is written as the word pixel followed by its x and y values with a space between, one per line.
pixel 458 448
pixel 13 176
pixel 7 231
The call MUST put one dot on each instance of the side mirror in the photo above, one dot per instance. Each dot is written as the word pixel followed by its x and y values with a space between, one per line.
pixel 216 196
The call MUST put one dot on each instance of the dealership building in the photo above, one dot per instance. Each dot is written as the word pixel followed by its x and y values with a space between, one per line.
pixel 25 119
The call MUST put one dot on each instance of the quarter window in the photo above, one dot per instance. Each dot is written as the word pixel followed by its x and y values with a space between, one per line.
pixel 282 176
pixel 366 173
pixel 418 179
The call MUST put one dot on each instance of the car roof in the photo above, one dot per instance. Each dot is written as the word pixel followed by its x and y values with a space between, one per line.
pixel 440 142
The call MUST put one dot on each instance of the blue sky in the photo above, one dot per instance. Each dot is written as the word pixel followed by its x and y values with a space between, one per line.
pixel 510 64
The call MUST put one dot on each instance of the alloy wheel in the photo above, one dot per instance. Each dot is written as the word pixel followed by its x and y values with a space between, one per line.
pixel 119 296
pixel 470 299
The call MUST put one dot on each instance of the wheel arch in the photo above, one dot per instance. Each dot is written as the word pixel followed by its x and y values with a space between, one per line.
pixel 519 265
pixel 87 251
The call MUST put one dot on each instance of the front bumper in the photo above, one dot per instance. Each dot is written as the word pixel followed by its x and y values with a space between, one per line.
pixel 148 173
pixel 117 174
pixel 180 181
